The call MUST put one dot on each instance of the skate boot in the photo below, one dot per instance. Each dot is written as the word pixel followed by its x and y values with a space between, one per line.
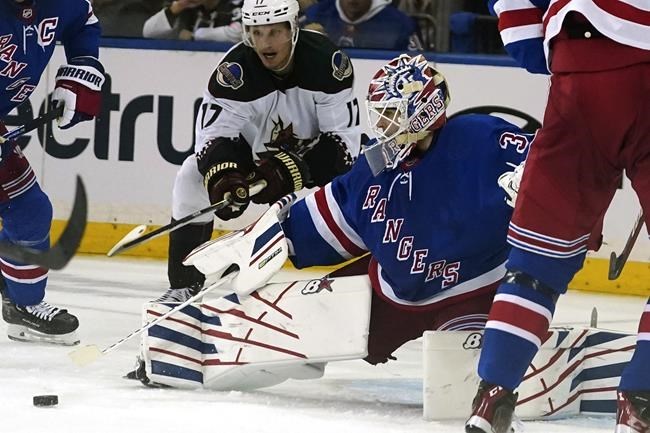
pixel 633 413
pixel 140 373
pixel 40 323
pixel 492 410
pixel 178 296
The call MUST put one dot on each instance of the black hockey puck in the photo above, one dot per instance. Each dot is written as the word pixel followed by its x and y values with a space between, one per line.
pixel 46 400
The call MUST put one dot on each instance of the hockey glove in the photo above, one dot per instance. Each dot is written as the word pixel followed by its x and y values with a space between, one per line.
pixel 509 182
pixel 78 87
pixel 224 163
pixel 231 185
pixel 329 157
pixel 284 173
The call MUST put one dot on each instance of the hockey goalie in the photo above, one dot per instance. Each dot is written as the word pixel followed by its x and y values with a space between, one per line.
pixel 421 210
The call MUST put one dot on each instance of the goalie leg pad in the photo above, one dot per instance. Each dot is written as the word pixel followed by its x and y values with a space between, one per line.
pixel 281 331
pixel 576 371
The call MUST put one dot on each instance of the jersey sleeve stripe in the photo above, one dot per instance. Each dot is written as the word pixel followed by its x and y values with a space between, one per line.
pixel 624 11
pixel 91 18
pixel 327 227
pixel 336 223
pixel 501 6
pixel 517 34
pixel 520 17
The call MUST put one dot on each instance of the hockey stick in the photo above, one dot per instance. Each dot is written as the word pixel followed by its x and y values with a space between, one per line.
pixel 135 236
pixel 616 263
pixel 30 126
pixel 62 251
pixel 88 354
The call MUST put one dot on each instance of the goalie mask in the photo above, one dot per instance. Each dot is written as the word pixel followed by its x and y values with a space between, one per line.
pixel 407 99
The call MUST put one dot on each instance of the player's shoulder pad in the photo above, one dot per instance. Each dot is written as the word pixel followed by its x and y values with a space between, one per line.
pixel 478 129
pixel 478 123
pixel 239 76
pixel 321 65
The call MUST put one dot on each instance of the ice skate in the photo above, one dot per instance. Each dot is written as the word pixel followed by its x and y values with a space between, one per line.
pixel 178 296
pixel 42 322
pixel 633 412
pixel 492 410
pixel 140 373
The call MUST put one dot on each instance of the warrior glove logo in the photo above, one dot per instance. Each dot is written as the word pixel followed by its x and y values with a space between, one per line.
pixel 230 75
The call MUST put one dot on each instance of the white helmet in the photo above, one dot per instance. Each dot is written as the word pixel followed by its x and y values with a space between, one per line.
pixel 261 12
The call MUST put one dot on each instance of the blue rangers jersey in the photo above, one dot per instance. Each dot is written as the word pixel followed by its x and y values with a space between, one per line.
pixel 435 227
pixel 28 32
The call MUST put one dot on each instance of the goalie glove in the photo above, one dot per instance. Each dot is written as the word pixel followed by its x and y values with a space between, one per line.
pixel 78 87
pixel 510 181
pixel 284 173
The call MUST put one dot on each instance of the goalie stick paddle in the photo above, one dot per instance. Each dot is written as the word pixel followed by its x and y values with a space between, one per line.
pixel 66 246
pixel 135 237
pixel 617 263
pixel 30 126
pixel 89 354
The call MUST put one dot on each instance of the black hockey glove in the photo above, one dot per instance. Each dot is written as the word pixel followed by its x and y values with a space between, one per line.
pixel 328 158
pixel 284 173
pixel 224 164
pixel 232 185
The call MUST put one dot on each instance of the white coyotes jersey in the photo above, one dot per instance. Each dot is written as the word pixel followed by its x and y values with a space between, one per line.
pixel 244 98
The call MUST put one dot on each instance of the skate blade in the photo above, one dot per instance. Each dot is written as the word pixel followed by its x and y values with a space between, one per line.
pixel 85 355
pixel 27 335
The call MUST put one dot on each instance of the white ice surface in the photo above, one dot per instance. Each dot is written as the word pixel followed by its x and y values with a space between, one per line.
pixel 107 294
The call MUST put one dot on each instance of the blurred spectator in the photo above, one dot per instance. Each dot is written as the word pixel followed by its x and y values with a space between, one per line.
pixel 211 20
pixel 304 4
pixel 124 18
pixel 475 33
pixel 414 6
pixel 364 24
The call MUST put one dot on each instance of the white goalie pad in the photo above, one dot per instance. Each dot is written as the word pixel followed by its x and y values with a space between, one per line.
pixel 281 331
pixel 258 250
pixel 576 371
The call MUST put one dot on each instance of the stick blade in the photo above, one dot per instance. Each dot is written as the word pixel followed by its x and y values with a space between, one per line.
pixel 129 237
pixel 85 355
pixel 614 272
pixel 593 320
pixel 58 256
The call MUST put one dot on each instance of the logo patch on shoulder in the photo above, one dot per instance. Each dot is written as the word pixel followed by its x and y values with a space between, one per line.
pixel 341 65
pixel 230 75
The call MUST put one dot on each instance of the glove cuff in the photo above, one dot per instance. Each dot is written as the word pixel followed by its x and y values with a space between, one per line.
pixel 294 167
pixel 87 71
